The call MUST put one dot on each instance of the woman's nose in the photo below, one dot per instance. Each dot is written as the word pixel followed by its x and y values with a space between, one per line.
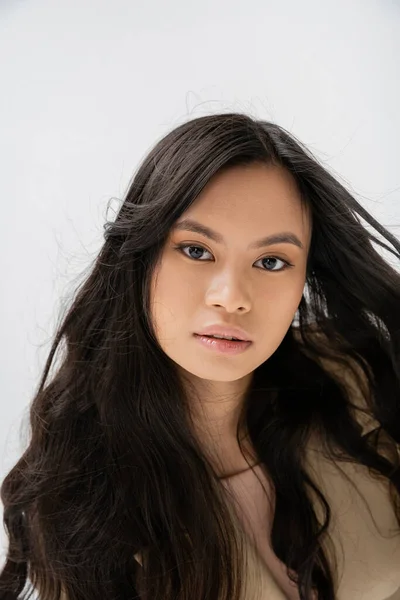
pixel 229 292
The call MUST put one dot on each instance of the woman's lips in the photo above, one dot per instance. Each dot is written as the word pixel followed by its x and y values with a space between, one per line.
pixel 222 346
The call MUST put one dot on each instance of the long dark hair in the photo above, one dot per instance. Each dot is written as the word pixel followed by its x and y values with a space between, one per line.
pixel 113 466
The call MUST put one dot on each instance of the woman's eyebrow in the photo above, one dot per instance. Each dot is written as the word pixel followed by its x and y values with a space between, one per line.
pixel 284 237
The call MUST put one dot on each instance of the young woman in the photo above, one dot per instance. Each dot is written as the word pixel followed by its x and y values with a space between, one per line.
pixel 167 463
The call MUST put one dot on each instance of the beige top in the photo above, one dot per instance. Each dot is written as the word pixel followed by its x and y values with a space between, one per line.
pixel 368 557
pixel 362 530
pixel 367 554
pixel 365 542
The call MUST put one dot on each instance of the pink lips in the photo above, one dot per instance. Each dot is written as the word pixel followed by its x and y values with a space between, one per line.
pixel 225 331
pixel 223 346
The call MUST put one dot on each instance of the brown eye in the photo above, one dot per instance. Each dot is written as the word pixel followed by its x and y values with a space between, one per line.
pixel 274 259
pixel 194 252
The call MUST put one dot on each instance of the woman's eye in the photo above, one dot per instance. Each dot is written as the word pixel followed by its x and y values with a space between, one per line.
pixel 275 259
pixel 196 253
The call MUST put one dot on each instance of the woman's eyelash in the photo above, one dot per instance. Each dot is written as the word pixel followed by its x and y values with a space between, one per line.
pixel 181 247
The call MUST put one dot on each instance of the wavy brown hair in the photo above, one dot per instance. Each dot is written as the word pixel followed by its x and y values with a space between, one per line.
pixel 113 467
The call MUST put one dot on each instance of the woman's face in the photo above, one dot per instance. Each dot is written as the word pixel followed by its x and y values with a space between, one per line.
pixel 229 282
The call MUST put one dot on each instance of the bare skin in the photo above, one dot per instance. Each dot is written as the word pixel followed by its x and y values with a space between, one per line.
pixel 230 283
